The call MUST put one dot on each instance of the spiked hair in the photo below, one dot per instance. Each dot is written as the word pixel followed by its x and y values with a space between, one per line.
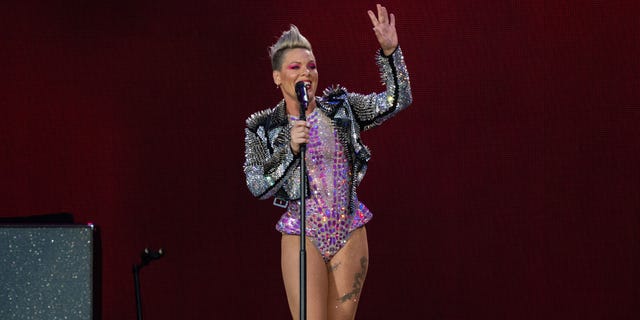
pixel 289 39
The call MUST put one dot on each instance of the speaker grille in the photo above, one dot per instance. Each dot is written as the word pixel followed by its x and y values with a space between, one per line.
pixel 46 272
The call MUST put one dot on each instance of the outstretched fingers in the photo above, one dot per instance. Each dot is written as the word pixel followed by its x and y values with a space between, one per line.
pixel 373 18
pixel 384 27
pixel 382 17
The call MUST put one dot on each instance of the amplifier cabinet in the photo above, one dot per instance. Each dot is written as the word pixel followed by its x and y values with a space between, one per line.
pixel 46 272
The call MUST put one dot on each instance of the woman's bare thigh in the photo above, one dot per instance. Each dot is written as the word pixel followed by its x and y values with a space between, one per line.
pixel 317 283
pixel 347 271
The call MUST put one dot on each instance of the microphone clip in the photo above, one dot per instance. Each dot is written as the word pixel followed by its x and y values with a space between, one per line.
pixel 148 255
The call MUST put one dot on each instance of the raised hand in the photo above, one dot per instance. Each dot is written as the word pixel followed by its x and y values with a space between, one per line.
pixel 384 25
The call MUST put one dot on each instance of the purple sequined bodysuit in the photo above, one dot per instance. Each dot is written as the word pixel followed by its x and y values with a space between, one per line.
pixel 329 223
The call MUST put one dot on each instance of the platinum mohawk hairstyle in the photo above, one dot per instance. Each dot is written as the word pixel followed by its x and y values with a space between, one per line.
pixel 289 39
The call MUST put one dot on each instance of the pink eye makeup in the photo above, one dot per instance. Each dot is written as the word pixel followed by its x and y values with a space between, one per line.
pixel 296 66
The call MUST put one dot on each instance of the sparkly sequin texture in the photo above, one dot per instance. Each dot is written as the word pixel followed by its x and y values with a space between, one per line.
pixel 329 222
pixel 46 272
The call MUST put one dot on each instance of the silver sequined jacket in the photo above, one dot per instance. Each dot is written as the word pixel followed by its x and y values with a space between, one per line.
pixel 270 166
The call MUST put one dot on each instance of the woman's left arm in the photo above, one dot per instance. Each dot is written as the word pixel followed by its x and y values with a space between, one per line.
pixel 373 109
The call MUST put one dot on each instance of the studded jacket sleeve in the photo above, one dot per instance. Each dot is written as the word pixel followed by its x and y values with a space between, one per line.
pixel 269 161
pixel 373 109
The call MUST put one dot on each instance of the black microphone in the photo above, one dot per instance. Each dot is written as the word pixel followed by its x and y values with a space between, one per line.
pixel 303 98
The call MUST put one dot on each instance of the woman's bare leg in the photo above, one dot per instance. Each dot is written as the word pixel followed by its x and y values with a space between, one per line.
pixel 317 283
pixel 347 271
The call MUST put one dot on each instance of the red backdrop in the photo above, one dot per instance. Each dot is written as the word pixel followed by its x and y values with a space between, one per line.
pixel 508 190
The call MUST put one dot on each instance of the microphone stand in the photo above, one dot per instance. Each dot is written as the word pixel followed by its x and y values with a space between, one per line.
pixel 304 100
pixel 303 226
pixel 146 257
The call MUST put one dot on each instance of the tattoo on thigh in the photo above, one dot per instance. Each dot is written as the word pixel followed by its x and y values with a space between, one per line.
pixel 332 268
pixel 357 283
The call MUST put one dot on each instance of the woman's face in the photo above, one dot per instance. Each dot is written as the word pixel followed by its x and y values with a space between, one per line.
pixel 297 65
